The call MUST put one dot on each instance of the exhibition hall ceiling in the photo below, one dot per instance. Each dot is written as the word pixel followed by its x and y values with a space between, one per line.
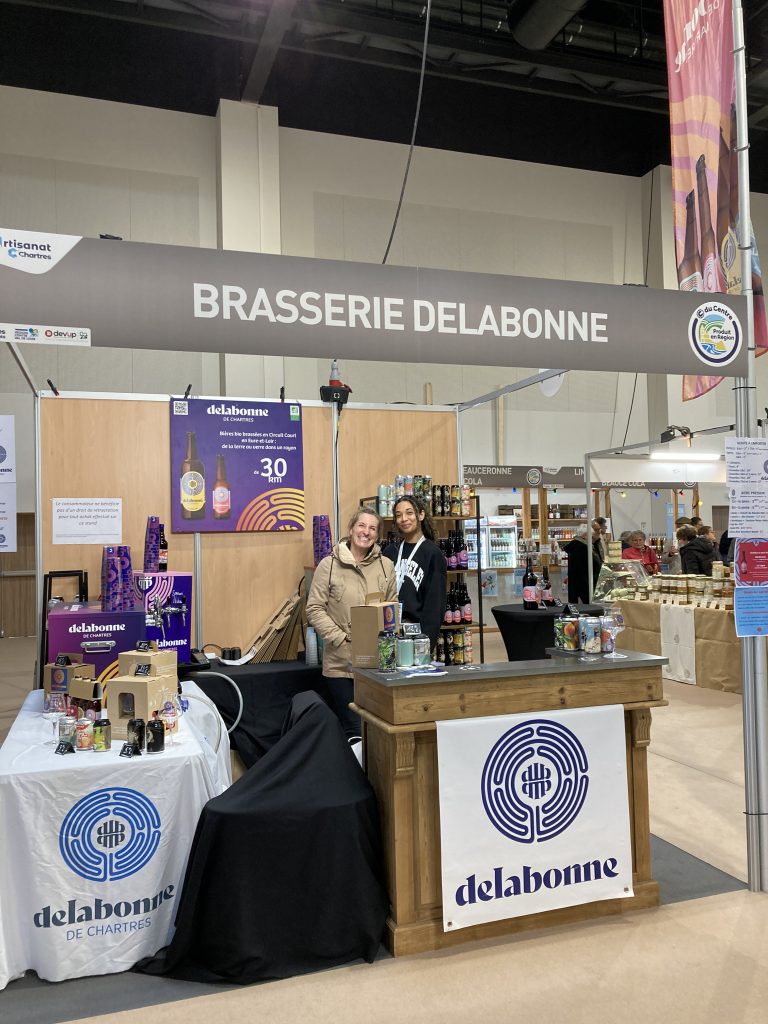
pixel 579 83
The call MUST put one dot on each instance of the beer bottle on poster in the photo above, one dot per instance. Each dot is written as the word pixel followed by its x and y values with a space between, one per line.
pixel 723 204
pixel 222 499
pixel 710 264
pixel 192 482
pixel 162 554
pixel 730 258
pixel 689 271
pixel 529 587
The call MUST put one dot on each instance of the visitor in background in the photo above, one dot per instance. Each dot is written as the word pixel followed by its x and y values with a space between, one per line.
pixel 696 553
pixel 696 521
pixel 726 547
pixel 603 524
pixel 671 554
pixel 578 567
pixel 639 551
pixel 709 534
pixel 624 538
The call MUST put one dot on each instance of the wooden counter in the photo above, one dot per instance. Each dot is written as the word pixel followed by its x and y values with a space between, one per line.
pixel 400 743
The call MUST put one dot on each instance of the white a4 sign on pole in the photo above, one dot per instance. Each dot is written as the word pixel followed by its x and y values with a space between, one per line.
pixel 534 813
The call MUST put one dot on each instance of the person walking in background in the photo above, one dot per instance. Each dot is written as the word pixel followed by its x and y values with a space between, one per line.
pixel 671 554
pixel 578 567
pixel 698 552
pixel 603 524
pixel 355 568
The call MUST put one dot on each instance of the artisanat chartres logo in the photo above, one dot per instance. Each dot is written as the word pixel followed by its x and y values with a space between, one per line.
pixel 110 834
pixel 535 781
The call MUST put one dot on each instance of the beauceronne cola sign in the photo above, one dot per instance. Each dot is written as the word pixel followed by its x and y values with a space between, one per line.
pixel 135 295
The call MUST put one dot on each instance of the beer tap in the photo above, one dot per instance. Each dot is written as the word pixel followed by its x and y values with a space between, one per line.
pixel 156 611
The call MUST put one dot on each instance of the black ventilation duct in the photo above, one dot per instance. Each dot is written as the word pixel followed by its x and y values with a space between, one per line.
pixel 535 24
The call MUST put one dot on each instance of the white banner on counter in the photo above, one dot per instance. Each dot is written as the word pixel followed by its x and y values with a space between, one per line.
pixel 7 517
pixel 534 813
pixel 7 450
pixel 87 520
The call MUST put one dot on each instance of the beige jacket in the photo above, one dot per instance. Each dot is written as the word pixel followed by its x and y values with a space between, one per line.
pixel 339 583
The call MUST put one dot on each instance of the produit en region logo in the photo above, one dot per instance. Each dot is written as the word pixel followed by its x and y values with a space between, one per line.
pixel 715 334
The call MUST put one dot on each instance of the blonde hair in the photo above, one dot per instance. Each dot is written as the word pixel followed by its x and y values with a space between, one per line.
pixel 365 510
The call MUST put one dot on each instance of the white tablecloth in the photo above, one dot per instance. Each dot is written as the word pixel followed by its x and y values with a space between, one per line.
pixel 93 846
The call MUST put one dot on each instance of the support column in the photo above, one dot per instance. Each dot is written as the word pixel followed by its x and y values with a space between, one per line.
pixel 248 202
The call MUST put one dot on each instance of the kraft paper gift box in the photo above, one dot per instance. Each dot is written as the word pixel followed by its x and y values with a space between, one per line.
pixel 87 695
pixel 367 622
pixel 56 678
pixel 136 697
pixel 161 662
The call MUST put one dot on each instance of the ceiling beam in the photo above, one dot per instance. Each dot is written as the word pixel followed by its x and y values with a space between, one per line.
pixel 277 24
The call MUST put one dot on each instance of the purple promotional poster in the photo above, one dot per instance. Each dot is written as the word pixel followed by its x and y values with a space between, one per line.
pixel 237 466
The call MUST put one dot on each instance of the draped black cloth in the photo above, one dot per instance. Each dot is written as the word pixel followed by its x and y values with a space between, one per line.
pixel 285 874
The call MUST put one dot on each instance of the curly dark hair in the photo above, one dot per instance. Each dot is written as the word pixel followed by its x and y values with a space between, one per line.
pixel 427 526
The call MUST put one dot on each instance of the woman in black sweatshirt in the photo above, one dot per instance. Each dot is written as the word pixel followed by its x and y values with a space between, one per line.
pixel 420 569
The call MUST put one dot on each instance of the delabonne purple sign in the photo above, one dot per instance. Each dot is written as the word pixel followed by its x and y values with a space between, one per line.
pixel 237 466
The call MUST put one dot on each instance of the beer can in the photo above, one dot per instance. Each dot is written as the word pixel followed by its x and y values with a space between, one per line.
pixel 607 644
pixel 404 652
pixel 408 483
pixel 155 736
pixel 437 500
pixel 455 500
pixel 458 639
pixel 567 636
pixel 387 651
pixel 426 482
pixel 136 732
pixel 458 655
pixel 102 734
pixel 466 500
pixel 422 650
pixel 84 734
pixel 590 634
pixel 440 651
pixel 67 727
pixel 445 494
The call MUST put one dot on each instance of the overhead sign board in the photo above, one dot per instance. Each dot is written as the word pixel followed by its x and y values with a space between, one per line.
pixel 138 295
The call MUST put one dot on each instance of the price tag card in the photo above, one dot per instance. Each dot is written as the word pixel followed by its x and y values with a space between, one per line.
pixel 130 750
pixel 62 659
pixel 143 669
pixel 411 628
pixel 64 747
pixel 143 645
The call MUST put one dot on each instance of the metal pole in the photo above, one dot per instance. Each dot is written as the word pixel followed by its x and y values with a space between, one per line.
pixel 590 517
pixel 753 702
pixel 38 534
pixel 335 471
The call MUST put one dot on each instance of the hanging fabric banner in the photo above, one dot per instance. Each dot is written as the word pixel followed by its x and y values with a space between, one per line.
pixel 705 185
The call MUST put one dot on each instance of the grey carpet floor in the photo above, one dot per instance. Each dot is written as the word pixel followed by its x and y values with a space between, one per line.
pixel 32 1001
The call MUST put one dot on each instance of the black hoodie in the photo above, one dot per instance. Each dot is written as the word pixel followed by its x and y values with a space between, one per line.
pixel 698 555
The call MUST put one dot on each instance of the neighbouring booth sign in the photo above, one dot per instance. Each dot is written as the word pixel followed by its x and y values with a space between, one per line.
pixel 140 295
pixel 237 466
pixel 534 813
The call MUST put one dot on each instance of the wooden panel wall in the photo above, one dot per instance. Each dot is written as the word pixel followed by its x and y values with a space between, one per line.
pixel 17 593
pixel 375 444
pixel 96 447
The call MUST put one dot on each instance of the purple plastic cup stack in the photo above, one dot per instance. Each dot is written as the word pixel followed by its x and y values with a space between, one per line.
pixel 126 578
pixel 110 580
pixel 322 542
pixel 152 545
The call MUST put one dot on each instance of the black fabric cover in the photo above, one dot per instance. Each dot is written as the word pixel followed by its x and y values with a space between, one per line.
pixel 527 633
pixel 285 873
pixel 267 694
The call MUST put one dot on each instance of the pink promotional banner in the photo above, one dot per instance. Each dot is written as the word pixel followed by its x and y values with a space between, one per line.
pixel 705 186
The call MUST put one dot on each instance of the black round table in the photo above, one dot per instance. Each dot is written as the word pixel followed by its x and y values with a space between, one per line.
pixel 527 634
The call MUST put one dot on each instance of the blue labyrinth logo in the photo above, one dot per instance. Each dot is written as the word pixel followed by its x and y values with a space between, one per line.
pixel 535 781
pixel 110 834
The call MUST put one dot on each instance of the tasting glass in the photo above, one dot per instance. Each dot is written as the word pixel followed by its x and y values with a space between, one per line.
pixel 614 625
pixel 54 708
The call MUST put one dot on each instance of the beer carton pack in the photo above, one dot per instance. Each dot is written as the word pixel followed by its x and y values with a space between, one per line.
pixel 87 695
pixel 161 662
pixel 132 696
pixel 367 622
pixel 56 678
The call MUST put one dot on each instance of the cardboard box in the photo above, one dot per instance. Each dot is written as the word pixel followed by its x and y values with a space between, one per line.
pixel 161 663
pixel 56 678
pixel 87 695
pixel 96 636
pixel 367 622
pixel 133 696
pixel 166 598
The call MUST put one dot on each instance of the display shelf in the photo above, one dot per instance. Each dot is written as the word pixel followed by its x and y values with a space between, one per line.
pixel 459 625
pixel 569 519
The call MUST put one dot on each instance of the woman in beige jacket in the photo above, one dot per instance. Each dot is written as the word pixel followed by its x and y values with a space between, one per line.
pixel 344 578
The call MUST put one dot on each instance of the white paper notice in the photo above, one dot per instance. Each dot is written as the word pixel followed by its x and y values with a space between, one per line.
pixel 7 450
pixel 746 460
pixel 7 517
pixel 87 520
pixel 748 513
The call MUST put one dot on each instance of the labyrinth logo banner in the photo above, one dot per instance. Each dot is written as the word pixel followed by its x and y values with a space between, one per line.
pixel 534 813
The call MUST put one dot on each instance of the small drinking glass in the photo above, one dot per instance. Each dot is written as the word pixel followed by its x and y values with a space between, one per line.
pixel 54 708
pixel 614 625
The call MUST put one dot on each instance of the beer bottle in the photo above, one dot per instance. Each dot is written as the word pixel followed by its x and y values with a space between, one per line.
pixel 529 587
pixel 689 271
pixel 710 264
pixel 546 589
pixel 192 482
pixel 162 559
pixel 222 506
